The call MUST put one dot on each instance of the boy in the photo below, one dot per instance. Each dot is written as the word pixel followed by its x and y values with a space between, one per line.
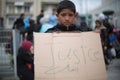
pixel 66 13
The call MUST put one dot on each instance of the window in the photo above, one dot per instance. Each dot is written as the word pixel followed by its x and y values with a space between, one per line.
pixel 11 9
pixel 27 8
pixel 19 9
pixel 11 20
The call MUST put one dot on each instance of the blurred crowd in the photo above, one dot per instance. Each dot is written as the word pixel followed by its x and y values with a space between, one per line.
pixel 110 37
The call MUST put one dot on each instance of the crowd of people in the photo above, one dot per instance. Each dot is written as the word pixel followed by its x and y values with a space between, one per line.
pixel 110 44
pixel 63 19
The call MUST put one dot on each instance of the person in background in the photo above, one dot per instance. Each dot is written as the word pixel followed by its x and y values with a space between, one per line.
pixel 29 30
pixel 19 23
pixel 114 42
pixel 53 19
pixel 118 35
pixel 84 27
pixel 25 61
pixel 99 28
pixel 66 14
pixel 26 22
pixel 45 24
pixel 108 25
pixel 39 17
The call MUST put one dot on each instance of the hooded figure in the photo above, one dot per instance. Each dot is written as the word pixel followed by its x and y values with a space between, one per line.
pixel 25 67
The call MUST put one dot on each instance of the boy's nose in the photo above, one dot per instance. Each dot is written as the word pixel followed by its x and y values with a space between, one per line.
pixel 66 18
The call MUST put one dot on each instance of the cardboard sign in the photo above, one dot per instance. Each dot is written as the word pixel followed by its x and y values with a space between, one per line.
pixel 68 56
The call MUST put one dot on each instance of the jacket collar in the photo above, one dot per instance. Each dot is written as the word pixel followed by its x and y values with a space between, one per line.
pixel 66 28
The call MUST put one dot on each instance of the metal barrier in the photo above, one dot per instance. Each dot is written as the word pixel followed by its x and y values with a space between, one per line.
pixel 5 45
pixel 10 41
pixel 17 38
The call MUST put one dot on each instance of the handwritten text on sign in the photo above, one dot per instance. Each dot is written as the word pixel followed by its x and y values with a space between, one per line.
pixel 70 56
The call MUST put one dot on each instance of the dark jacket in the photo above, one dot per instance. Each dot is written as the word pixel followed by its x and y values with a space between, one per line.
pixel 39 18
pixel 23 59
pixel 30 31
pixel 32 28
pixel 19 24
pixel 104 40
pixel 62 28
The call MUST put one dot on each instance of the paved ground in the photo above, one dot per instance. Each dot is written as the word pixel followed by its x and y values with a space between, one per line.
pixel 113 71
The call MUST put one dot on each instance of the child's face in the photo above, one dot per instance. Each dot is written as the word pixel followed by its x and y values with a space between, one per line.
pixel 66 17
pixel 98 24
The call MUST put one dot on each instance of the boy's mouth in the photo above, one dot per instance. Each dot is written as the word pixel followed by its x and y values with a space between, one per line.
pixel 67 23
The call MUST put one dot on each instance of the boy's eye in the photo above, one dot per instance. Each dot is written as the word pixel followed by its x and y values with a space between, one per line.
pixel 70 14
pixel 66 15
pixel 63 15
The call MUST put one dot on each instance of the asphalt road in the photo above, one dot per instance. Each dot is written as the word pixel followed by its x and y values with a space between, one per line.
pixel 113 71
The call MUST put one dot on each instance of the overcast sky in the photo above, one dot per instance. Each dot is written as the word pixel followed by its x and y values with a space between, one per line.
pixel 84 6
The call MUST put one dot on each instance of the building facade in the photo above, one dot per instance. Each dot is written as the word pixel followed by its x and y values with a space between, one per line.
pixel 112 5
pixel 2 12
pixel 31 8
pixel 14 8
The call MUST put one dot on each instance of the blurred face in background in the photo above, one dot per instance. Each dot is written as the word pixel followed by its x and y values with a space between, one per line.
pixel 66 17
pixel 97 24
